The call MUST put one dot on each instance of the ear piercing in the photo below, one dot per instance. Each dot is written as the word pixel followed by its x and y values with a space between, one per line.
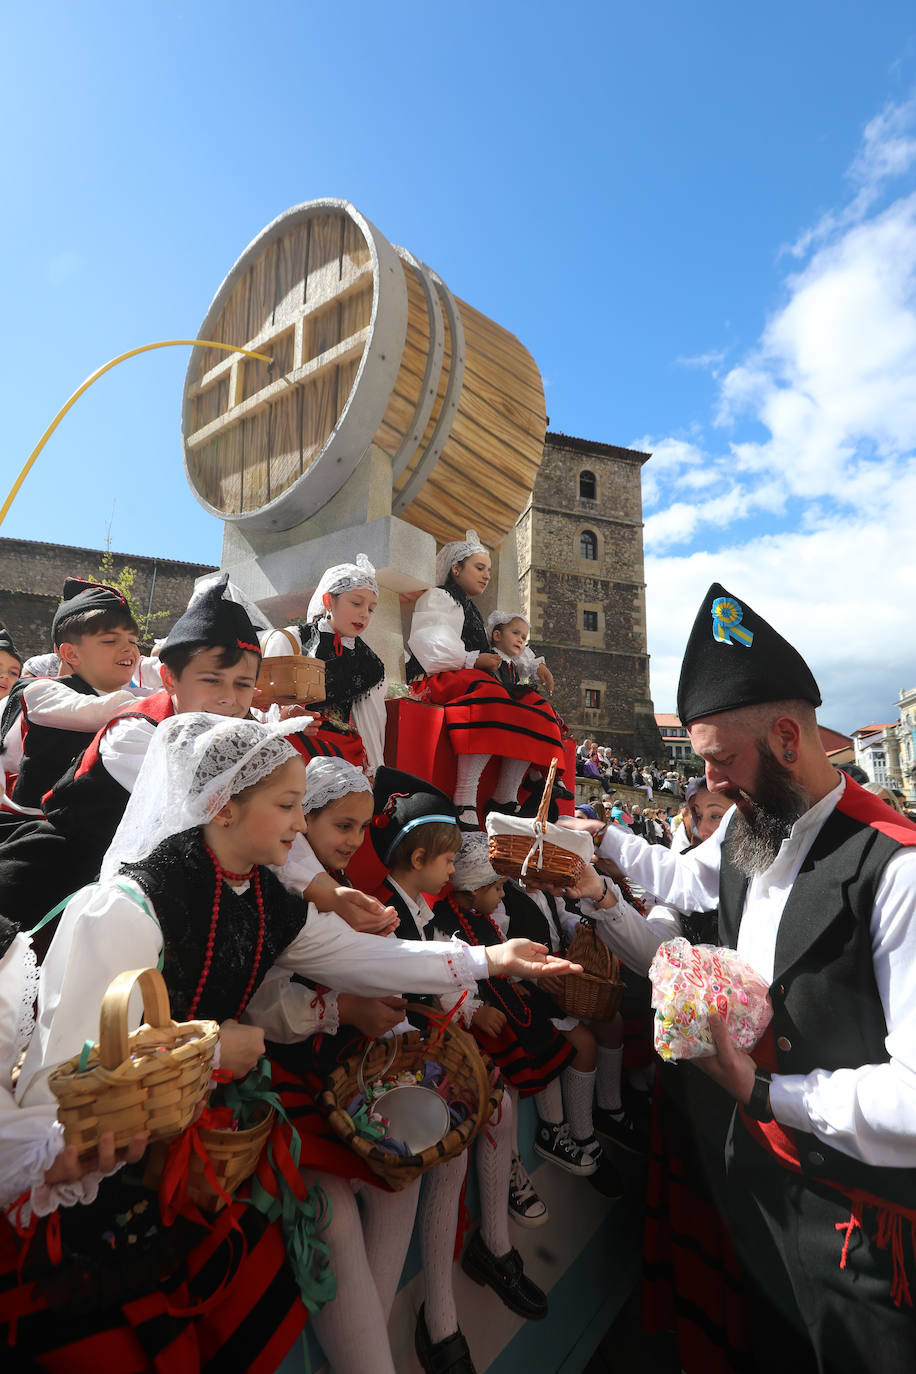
pixel 790 756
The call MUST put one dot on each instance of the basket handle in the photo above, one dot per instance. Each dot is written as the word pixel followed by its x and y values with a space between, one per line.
pixel 113 1032
pixel 541 819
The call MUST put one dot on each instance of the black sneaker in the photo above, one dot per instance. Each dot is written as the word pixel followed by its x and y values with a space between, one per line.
pixel 505 1274
pixel 450 1356
pixel 622 1129
pixel 525 1206
pixel 556 1144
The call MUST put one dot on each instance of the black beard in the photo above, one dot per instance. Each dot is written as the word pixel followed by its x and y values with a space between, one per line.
pixel 760 829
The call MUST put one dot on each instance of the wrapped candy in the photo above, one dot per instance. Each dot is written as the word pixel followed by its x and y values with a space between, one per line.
pixel 689 979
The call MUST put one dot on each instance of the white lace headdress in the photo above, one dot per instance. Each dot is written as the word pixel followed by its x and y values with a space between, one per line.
pixel 231 593
pixel 194 764
pixel 472 865
pixel 343 577
pixel 328 779
pixel 497 618
pixel 456 552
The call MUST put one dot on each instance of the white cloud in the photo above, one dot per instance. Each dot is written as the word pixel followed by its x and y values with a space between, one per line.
pixel 831 386
pixel 710 361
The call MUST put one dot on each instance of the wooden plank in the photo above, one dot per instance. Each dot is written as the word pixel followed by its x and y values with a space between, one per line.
pixel 258 375
pixel 230 477
pixel 356 310
pixel 345 351
pixel 204 407
pixel 262 343
pixel 482 386
pixel 262 293
pixel 483 422
pixel 513 462
pixel 319 411
pixel 292 250
pixel 323 269
pixel 356 256
pixel 323 331
pixel 284 443
pixel 232 326
pixel 256 431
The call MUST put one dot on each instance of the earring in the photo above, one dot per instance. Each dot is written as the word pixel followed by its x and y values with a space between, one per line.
pixel 790 756
pixel 226 824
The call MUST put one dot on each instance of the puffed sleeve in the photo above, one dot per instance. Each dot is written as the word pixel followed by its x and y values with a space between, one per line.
pixel 371 720
pixel 435 633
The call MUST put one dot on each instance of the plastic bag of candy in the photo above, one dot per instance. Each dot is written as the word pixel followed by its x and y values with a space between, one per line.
pixel 688 979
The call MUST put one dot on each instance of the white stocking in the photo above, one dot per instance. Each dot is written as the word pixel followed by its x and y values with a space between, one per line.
pixel 438 1224
pixel 388 1220
pixel 549 1103
pixel 494 1164
pixel 467 778
pixel 510 780
pixel 579 1090
pixel 352 1328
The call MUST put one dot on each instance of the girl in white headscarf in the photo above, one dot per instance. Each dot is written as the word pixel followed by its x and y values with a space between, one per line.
pixel 453 665
pixel 352 716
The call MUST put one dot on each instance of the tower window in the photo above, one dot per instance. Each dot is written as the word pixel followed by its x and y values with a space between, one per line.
pixel 589 620
pixel 592 699
pixel 588 545
pixel 588 487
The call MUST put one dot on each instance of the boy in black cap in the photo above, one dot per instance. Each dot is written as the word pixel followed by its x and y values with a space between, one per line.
pixel 815 884
pixel 96 639
pixel 209 663
pixel 415 834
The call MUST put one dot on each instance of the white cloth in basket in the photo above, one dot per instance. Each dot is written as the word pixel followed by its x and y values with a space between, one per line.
pixel 578 842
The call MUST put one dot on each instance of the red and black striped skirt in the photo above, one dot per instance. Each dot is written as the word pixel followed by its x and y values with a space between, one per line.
pixel 482 717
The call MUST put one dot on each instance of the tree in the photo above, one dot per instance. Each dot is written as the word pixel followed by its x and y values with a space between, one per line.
pixel 123 580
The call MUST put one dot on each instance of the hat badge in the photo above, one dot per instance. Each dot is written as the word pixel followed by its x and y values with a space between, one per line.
pixel 727 615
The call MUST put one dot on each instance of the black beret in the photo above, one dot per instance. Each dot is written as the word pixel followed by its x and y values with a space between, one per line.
pixel 214 621
pixel 402 803
pixel 735 658
pixel 7 646
pixel 80 596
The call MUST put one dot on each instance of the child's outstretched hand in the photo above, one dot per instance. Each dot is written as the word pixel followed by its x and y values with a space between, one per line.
pixel 374 1016
pixel 489 1021
pixel 526 959
pixel 546 677
pixel 240 1047
pixel 363 912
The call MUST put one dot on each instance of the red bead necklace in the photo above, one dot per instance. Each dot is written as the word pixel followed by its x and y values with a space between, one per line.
pixel 521 1018
pixel 222 874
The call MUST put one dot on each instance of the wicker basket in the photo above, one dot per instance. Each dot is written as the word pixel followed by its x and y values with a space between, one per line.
pixel 151 1080
pixel 512 857
pixel 595 994
pixel 290 680
pixel 467 1070
pixel 234 1156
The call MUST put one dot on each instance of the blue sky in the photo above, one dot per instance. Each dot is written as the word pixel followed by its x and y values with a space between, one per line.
pixel 699 219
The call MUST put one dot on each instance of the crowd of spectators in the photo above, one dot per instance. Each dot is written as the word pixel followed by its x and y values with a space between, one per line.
pixel 659 820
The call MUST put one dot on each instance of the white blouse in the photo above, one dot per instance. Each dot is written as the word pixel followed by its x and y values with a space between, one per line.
pixel 435 634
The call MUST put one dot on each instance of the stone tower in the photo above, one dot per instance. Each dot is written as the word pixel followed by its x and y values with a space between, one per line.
pixel 580 564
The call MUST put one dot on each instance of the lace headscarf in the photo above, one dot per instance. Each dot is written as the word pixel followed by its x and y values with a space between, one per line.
pixel 497 618
pixel 194 764
pixel 472 865
pixel 328 779
pixel 344 577
pixel 456 552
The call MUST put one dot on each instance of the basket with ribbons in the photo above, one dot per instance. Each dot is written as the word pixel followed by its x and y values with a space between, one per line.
pixel 411 1102
pixel 290 679
pixel 152 1079
pixel 521 847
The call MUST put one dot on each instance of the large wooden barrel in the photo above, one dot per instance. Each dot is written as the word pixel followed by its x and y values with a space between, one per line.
pixel 368 346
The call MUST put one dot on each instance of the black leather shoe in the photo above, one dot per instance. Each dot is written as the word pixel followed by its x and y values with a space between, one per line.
pixel 450 1356
pixel 506 1277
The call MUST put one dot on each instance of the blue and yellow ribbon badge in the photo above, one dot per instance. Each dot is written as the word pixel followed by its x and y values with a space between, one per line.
pixel 726 623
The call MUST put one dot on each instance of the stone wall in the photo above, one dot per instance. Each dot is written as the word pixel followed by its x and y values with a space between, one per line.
pixel 588 615
pixel 32 575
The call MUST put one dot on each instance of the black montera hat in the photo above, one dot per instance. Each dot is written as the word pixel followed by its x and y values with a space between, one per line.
pixel 734 658
pixel 402 803
pixel 7 646
pixel 80 596
pixel 214 621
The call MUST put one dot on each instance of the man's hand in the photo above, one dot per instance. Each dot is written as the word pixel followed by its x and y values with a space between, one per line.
pixel 68 1167
pixel 489 1021
pixel 525 959
pixel 731 1068
pixel 374 1016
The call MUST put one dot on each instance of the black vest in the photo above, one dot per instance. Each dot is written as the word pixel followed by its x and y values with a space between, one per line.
pixel 349 675
pixel 528 922
pixel 47 751
pixel 827 1013
pixel 407 930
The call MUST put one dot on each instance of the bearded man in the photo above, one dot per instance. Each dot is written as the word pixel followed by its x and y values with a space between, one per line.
pixel 815 884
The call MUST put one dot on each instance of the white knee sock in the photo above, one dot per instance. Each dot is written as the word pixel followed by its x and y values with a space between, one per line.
pixel 578 1091
pixel 352 1328
pixel 494 1164
pixel 467 778
pixel 549 1103
pixel 438 1224
pixel 388 1220
pixel 610 1063
pixel 512 1095
pixel 510 780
